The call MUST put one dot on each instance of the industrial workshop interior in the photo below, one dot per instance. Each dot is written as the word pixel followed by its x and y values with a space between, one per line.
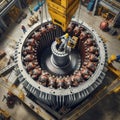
pixel 59 59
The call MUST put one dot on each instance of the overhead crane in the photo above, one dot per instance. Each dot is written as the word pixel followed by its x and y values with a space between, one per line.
pixel 62 11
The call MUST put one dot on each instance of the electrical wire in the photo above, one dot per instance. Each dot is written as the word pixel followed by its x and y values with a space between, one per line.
pixel 79 11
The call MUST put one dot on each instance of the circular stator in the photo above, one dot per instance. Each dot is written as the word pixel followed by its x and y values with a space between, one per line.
pixel 61 69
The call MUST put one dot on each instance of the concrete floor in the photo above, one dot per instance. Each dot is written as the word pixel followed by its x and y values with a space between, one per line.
pixel 20 111
pixel 107 109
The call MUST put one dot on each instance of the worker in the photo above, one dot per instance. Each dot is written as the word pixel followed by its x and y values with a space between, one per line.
pixel 4 97
pixel 23 28
pixel 39 11
pixel 118 58
pixel 30 10
pixel 114 58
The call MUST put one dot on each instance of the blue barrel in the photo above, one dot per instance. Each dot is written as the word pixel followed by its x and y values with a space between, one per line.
pixel 90 6
pixel 40 4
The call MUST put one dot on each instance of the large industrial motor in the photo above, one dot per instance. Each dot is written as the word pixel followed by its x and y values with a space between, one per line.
pixel 60 77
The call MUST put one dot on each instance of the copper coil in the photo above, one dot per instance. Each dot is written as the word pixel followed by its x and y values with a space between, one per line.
pixel 97 53
pixel 89 42
pixel 45 73
pixel 29 58
pixel 92 49
pixel 24 53
pixel 85 70
pixel 37 71
pixel 60 82
pixel 36 63
pixel 77 77
pixel 30 66
pixel 43 30
pixel 37 35
pixel 76 30
pixel 82 35
pixel 86 77
pixel 29 49
pixel 93 58
pixel 43 79
pixel 82 28
pixel 31 42
pixel 86 73
pixel 87 55
pixel 89 35
pixel 35 77
pixel 50 27
pixel 79 74
pixel 75 80
pixel 52 81
pixel 85 62
pixel 67 82
pixel 70 27
pixel 91 66
pixel 30 72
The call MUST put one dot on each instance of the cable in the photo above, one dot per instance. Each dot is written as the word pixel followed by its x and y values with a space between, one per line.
pixel 79 11
pixel 46 11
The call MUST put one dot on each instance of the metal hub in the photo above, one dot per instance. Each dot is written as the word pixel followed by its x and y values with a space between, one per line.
pixel 58 68
pixel 60 60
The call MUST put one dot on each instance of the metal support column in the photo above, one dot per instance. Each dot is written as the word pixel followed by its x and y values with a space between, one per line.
pixel 3 23
pixel 95 6
pixel 116 18
pixel 19 4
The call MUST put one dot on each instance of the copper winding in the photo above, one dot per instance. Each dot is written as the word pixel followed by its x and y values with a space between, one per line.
pixel 90 55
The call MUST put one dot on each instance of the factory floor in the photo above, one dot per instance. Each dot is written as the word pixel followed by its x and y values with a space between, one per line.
pixel 107 109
